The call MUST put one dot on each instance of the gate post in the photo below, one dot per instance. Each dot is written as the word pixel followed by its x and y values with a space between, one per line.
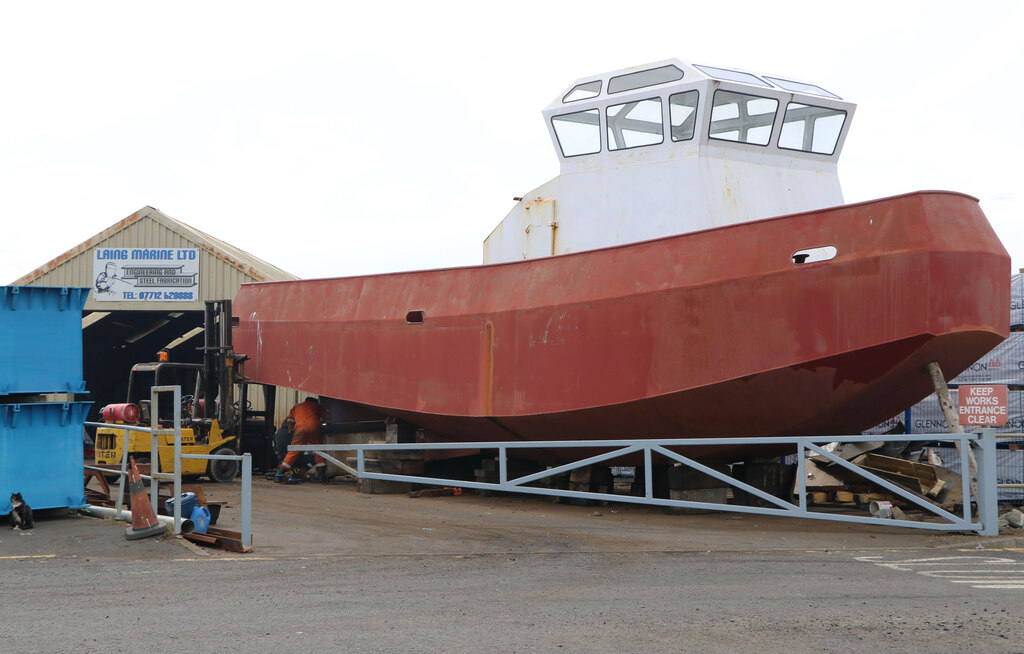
pixel 988 500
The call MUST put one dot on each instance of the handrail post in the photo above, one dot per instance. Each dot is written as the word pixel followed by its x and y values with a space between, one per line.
pixel 124 474
pixel 175 392
pixel 177 460
pixel 154 447
pixel 247 500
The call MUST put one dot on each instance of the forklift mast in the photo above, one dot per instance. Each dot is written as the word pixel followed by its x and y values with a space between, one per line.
pixel 223 368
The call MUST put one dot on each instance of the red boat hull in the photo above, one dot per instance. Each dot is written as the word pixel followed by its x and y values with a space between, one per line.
pixel 710 333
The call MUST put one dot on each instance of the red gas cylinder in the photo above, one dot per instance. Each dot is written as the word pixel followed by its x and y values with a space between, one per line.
pixel 127 413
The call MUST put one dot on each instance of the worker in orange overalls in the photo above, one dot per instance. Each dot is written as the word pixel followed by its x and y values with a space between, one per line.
pixel 304 423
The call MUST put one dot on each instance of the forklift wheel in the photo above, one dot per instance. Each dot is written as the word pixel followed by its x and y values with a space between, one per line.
pixel 223 471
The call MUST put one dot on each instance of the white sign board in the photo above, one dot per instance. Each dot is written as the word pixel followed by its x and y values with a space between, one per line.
pixel 145 275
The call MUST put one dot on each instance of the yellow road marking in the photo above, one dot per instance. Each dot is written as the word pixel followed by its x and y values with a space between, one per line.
pixel 29 556
pixel 232 558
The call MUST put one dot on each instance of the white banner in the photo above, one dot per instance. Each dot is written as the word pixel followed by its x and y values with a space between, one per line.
pixel 145 275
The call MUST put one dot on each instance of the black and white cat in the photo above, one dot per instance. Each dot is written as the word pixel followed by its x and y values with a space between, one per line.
pixel 21 514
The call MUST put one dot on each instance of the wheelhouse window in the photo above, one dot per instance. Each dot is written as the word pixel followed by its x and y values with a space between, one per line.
pixel 634 124
pixel 583 91
pixel 811 129
pixel 682 111
pixel 732 75
pixel 578 133
pixel 643 78
pixel 742 117
pixel 801 87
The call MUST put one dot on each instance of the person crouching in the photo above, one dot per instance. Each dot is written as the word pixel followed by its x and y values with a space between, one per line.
pixel 305 423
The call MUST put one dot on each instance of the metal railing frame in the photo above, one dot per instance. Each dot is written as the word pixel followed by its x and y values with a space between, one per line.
pixel 1010 437
pixel 983 442
pixel 155 432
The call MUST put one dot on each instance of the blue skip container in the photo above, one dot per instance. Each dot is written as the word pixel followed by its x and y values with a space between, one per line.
pixel 41 454
pixel 41 339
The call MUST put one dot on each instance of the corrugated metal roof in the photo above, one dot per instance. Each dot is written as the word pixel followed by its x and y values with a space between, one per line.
pixel 224 267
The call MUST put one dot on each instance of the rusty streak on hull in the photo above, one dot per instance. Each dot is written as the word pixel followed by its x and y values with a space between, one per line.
pixel 711 333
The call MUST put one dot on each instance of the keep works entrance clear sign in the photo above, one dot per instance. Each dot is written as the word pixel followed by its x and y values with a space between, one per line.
pixel 982 406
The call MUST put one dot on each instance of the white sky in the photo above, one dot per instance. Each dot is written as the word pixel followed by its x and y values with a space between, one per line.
pixel 337 139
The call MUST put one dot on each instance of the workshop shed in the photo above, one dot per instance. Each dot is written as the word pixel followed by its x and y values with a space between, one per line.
pixel 149 277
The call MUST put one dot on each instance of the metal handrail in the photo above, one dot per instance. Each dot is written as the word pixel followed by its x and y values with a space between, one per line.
pixel 154 455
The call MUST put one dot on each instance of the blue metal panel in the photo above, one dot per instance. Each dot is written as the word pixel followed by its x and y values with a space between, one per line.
pixel 41 454
pixel 41 339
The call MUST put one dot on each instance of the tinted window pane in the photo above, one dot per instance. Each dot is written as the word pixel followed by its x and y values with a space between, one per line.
pixel 800 87
pixel 732 75
pixel 583 91
pixel 811 129
pixel 633 124
pixel 742 117
pixel 578 133
pixel 644 78
pixel 682 109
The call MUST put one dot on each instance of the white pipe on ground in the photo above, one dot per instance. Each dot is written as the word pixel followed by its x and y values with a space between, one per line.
pixel 187 526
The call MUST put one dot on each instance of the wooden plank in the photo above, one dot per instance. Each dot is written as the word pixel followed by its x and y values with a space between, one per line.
pixel 925 476
pixel 910 483
pixel 936 489
pixel 102 480
pixel 201 538
pixel 223 538
pixel 923 471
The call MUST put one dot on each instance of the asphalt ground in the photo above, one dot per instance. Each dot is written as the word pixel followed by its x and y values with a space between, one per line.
pixel 335 570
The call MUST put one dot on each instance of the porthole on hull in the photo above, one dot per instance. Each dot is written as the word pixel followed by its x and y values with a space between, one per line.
pixel 814 255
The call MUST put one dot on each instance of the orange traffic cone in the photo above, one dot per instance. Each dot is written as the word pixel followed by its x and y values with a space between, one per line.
pixel 144 522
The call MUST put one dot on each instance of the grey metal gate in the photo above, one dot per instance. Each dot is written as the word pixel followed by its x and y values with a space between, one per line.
pixel 982 443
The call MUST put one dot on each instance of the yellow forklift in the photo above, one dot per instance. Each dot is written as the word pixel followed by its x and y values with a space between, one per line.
pixel 212 422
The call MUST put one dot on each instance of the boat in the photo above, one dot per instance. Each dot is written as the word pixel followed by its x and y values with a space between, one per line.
pixel 693 271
